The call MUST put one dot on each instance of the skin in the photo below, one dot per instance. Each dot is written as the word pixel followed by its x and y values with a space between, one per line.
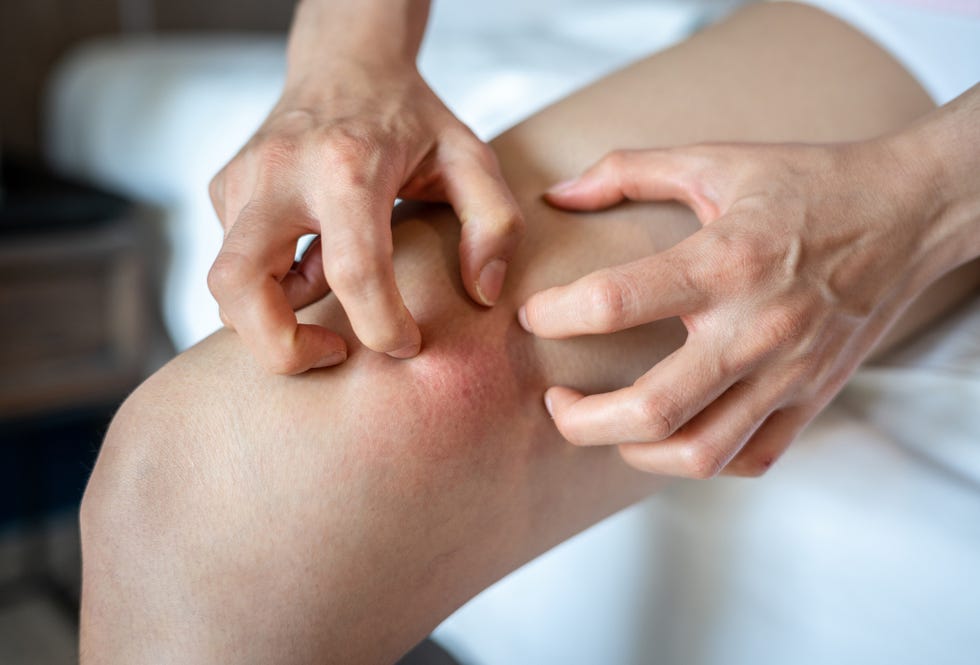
pixel 337 516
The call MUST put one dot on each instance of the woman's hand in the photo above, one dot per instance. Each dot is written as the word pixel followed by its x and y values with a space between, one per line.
pixel 344 141
pixel 806 256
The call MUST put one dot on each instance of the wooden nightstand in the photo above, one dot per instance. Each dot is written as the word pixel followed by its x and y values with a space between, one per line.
pixel 79 322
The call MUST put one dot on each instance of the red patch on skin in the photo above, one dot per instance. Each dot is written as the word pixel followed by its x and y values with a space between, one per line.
pixel 474 381
pixel 456 411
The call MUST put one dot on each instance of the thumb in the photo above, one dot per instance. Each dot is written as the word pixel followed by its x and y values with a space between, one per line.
pixel 638 175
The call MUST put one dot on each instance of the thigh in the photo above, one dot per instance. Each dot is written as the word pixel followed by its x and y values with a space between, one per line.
pixel 346 511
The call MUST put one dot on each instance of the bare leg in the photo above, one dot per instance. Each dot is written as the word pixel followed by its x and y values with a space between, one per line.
pixel 236 516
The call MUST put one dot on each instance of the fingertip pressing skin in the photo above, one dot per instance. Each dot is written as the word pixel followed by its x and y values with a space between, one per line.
pixel 537 304
pixel 567 195
pixel 485 251
pixel 549 407
pixel 559 398
pixel 558 188
pixel 491 282
pixel 595 189
pixel 414 346
pixel 331 359
pixel 522 319
pixel 408 351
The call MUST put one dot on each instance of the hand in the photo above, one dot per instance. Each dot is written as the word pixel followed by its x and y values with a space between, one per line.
pixel 330 160
pixel 806 256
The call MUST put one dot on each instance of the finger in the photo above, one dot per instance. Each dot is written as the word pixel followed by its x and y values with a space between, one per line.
pixel 652 409
pixel 769 443
pixel 703 447
pixel 493 225
pixel 613 299
pixel 244 279
pixel 230 191
pixel 357 261
pixel 306 283
pixel 638 175
pixel 216 191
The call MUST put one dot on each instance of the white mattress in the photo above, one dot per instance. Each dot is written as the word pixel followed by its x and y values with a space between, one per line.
pixel 862 545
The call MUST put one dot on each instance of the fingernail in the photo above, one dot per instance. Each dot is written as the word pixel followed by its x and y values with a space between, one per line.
pixel 560 187
pixel 331 359
pixel 491 281
pixel 522 319
pixel 547 405
pixel 407 351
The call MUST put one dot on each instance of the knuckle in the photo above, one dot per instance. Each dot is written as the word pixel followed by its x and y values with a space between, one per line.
pixel 354 268
pixel 741 252
pixel 614 161
pixel 606 303
pixel 278 152
pixel 352 155
pixel 228 271
pixel 738 360
pixel 783 323
pixel 659 416
pixel 734 261
pixel 701 461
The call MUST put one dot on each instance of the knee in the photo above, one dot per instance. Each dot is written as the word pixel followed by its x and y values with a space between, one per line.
pixel 181 530
pixel 127 498
pixel 171 478
pixel 131 543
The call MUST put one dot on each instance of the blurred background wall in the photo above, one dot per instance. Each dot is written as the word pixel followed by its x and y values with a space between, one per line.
pixel 35 33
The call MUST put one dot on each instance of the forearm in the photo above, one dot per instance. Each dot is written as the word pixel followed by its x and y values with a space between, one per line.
pixel 940 159
pixel 327 34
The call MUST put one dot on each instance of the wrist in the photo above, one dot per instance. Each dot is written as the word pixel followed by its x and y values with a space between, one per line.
pixel 937 191
pixel 346 77
pixel 327 36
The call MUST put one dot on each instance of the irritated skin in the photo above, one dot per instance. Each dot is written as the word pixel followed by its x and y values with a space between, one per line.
pixel 337 516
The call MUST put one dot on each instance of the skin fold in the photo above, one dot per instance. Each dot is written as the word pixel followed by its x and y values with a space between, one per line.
pixel 337 516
